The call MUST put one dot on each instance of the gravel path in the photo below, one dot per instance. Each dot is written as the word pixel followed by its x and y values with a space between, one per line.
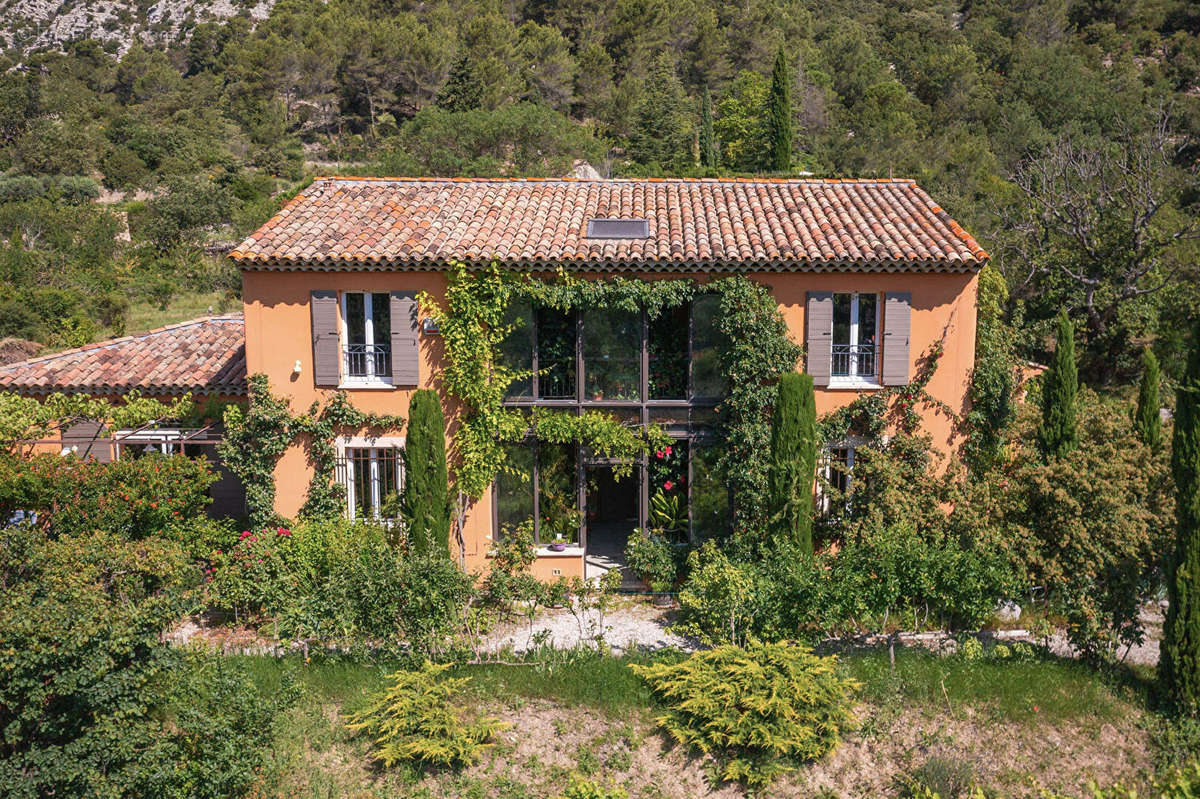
pixel 631 625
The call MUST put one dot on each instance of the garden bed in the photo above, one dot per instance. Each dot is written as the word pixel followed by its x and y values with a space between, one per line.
pixel 1008 724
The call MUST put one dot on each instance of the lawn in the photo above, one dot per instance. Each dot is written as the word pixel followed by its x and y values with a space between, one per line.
pixel 1005 723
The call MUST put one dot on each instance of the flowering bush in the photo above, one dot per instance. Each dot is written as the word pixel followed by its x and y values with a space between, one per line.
pixel 151 496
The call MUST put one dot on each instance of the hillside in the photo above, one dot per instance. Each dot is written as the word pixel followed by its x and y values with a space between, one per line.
pixel 116 24
pixel 213 111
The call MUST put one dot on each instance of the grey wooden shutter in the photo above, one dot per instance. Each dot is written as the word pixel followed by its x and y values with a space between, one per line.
pixel 406 354
pixel 896 312
pixel 327 355
pixel 820 335
pixel 89 442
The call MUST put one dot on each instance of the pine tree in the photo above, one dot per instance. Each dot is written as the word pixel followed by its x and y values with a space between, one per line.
pixel 1179 664
pixel 779 115
pixel 1060 386
pixel 709 153
pixel 793 460
pixel 462 90
pixel 425 505
pixel 1146 420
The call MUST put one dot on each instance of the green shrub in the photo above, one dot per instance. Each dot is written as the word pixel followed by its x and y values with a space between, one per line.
pixel 652 558
pixel 587 789
pixel 93 701
pixel 339 582
pixel 760 711
pixel 720 602
pixel 508 580
pixel 939 776
pixel 413 720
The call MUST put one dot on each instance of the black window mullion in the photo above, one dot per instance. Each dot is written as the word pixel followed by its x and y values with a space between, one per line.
pixel 537 491
pixel 579 365
pixel 535 389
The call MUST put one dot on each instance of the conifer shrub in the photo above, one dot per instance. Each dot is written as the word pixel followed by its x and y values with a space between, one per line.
pixel 414 720
pixel 759 710
pixel 426 501
pixel 1146 419
pixel 1179 667
pixel 1059 433
pixel 779 115
pixel 793 460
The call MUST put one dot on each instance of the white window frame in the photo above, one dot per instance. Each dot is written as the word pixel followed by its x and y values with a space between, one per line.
pixel 375 445
pixel 850 444
pixel 166 439
pixel 855 380
pixel 368 380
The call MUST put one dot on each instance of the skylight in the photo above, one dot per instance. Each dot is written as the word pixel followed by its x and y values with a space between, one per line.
pixel 618 229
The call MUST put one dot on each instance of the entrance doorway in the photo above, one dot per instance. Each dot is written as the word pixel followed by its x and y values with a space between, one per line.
pixel 611 513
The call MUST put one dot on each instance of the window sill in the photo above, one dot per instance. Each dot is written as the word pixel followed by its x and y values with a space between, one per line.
pixel 853 384
pixel 546 552
pixel 373 385
pixel 569 552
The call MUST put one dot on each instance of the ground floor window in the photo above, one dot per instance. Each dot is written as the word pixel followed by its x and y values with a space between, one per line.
pixel 373 476
pixel 571 498
pixel 837 467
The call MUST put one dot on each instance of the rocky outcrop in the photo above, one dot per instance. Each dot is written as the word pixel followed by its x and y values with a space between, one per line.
pixel 35 24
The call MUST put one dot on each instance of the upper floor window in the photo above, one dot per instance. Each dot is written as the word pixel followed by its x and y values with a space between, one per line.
pixel 366 337
pixel 615 356
pixel 855 337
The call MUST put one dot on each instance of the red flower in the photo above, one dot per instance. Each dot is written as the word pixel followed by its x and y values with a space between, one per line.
pixel 668 485
pixel 667 450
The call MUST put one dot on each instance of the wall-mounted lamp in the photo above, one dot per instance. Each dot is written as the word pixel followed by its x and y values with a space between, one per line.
pixel 430 326
pixel 296 368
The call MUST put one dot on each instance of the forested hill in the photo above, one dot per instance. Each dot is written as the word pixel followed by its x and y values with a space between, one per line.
pixel 123 153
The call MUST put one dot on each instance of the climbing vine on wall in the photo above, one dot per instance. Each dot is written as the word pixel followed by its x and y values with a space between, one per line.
pixel 473 327
pixel 757 349
pixel 870 415
pixel 257 436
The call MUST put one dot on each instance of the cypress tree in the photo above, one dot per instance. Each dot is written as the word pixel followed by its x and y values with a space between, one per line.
pixel 1060 389
pixel 793 460
pixel 709 154
pixel 425 505
pixel 779 116
pixel 1179 663
pixel 1146 420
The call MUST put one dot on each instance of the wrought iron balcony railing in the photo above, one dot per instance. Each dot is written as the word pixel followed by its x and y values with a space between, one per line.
pixel 368 361
pixel 853 360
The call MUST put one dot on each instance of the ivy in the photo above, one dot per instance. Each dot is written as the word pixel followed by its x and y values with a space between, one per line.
pixel 326 497
pixel 758 349
pixel 256 437
pixel 870 415
pixel 473 327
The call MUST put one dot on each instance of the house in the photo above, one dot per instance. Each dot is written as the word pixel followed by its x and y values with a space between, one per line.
pixel 869 275
pixel 202 358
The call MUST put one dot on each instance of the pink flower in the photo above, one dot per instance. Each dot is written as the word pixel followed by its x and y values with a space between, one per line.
pixel 658 454
pixel 668 485
pixel 668 451
pixel 283 531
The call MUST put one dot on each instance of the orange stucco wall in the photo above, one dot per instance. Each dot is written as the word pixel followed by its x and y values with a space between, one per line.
pixel 278 334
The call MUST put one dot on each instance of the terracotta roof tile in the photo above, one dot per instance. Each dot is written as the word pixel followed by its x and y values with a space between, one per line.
pixel 204 356
pixel 422 223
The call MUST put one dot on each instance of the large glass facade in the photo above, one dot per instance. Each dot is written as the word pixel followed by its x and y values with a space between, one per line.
pixel 663 370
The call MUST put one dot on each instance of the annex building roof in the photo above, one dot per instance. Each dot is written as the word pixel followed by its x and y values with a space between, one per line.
pixel 205 356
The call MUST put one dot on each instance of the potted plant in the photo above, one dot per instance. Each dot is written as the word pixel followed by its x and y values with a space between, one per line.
pixel 558 545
